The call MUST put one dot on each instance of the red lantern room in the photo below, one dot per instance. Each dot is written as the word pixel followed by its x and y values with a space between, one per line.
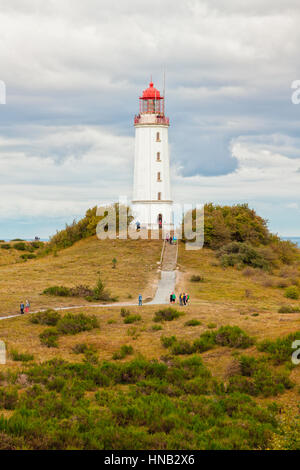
pixel 151 102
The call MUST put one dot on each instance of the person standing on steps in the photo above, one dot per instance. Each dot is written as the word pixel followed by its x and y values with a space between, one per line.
pixel 27 305
pixel 140 300
pixel 22 308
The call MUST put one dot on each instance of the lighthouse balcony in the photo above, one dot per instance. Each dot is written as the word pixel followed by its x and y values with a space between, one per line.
pixel 151 119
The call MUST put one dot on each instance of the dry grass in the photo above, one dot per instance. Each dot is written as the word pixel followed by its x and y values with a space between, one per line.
pixel 81 264
pixel 220 299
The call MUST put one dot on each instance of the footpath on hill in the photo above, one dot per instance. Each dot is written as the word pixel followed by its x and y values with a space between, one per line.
pixel 166 284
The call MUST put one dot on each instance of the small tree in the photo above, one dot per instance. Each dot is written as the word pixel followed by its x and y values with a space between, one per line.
pixel 114 263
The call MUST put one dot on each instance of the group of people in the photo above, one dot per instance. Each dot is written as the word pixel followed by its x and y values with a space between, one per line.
pixel 183 298
pixel 24 308
pixel 170 239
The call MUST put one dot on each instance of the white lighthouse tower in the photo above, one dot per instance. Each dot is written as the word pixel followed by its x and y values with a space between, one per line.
pixel 152 204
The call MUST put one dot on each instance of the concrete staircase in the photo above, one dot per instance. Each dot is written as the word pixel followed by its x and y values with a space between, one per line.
pixel 169 259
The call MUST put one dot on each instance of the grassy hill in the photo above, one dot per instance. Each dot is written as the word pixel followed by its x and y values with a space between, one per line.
pixel 81 264
pixel 217 375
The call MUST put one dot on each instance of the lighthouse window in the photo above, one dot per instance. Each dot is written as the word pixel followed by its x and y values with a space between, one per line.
pixel 157 137
pixel 158 176
pixel 158 157
pixel 159 196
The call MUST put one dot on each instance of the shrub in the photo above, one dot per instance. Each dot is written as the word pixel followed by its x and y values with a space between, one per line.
pixel 59 291
pixel 22 357
pixel 168 341
pixel 19 246
pixel 166 314
pixel 156 327
pixel 80 348
pixel 124 312
pixel 196 278
pixel 49 337
pixel 257 379
pixel 192 322
pixel 292 292
pixel 211 326
pixel 279 349
pixel 8 398
pixel 237 253
pixel 124 351
pixel 49 317
pixel 288 309
pixel 71 324
pixel 28 256
pixel 132 318
pixel 5 246
pixel 233 336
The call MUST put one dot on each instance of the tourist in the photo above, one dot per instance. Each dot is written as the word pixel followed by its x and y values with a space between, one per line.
pixel 171 240
pixel 22 308
pixel 180 299
pixel 184 299
pixel 171 298
pixel 140 299
pixel 27 305
pixel 187 298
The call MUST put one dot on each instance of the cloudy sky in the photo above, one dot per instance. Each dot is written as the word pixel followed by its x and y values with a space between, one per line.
pixel 74 70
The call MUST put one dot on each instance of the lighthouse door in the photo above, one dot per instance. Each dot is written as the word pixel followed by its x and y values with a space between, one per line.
pixel 159 220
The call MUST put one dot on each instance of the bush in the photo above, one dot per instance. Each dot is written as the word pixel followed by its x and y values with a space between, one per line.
pixel 156 327
pixel 124 351
pixel 5 246
pixel 237 253
pixel 211 326
pixel 192 322
pixel 197 278
pixel 132 318
pixel 20 246
pixel 257 379
pixel 279 349
pixel 71 324
pixel 292 292
pixel 8 398
pixel 124 312
pixel 166 314
pixel 28 256
pixel 22 357
pixel 49 337
pixel 233 336
pixel 49 317
pixel 59 291
pixel 168 341
pixel 80 348
pixel 288 309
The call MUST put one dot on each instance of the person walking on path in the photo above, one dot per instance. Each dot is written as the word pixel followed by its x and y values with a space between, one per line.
pixel 180 299
pixel 187 298
pixel 140 299
pixel 184 299
pixel 27 305
pixel 173 298
pixel 22 308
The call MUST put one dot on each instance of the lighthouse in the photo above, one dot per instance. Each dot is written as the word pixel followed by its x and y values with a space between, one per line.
pixel 152 204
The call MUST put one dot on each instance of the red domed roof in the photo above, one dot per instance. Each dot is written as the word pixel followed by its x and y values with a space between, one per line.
pixel 151 93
